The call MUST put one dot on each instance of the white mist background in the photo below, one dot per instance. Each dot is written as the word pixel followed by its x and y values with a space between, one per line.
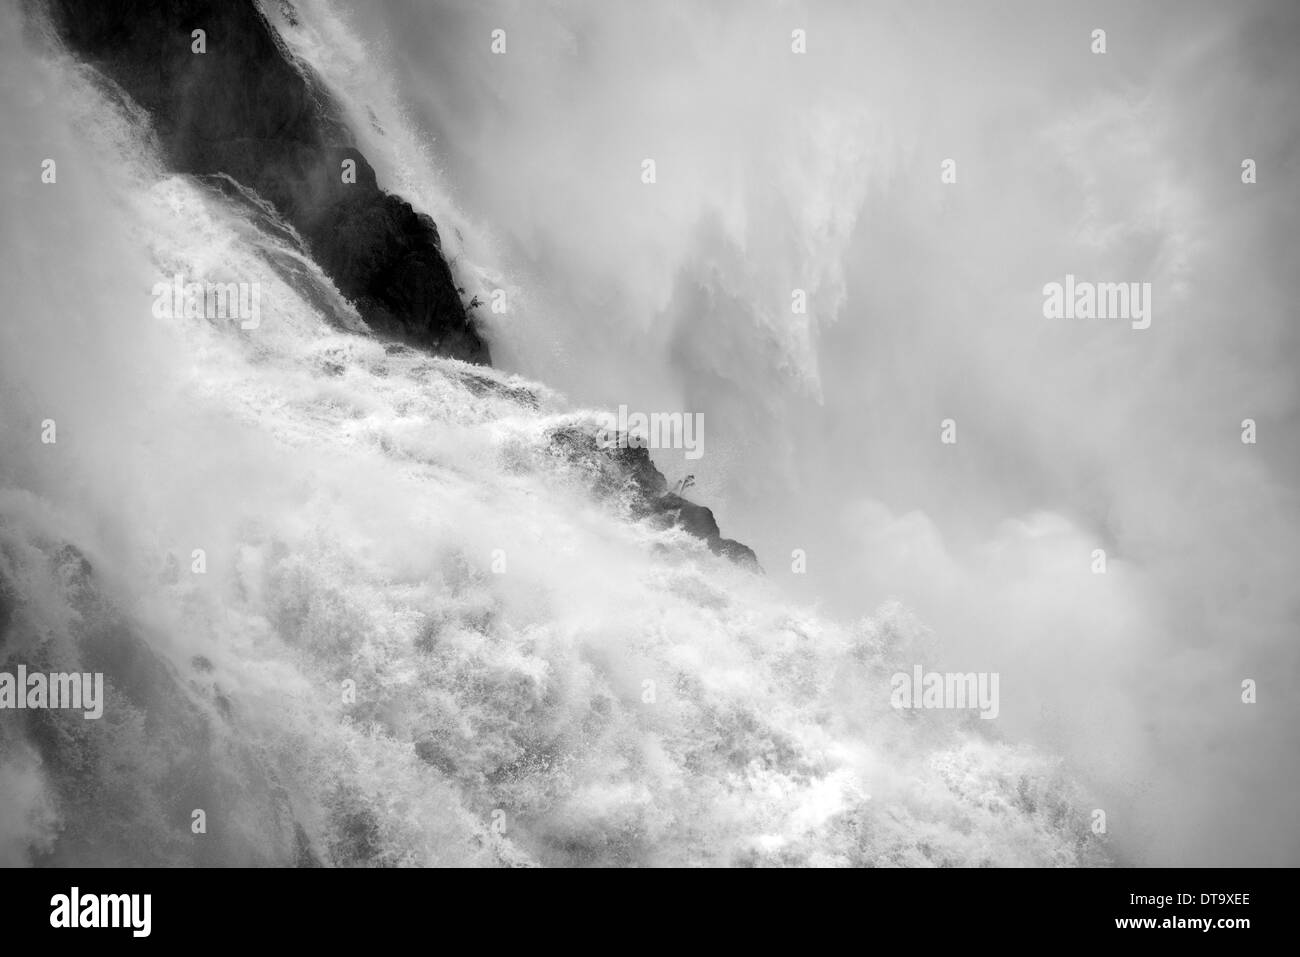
pixel 348 499
pixel 777 171
pixel 821 172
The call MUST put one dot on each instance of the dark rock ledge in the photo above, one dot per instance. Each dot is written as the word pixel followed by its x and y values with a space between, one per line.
pixel 246 109
pixel 619 471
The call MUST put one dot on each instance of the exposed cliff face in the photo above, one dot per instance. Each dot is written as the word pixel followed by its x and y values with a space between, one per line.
pixel 243 108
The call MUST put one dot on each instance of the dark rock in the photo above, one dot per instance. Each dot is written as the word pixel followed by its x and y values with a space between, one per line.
pixel 628 471
pixel 245 108
pixel 480 384
pixel 671 509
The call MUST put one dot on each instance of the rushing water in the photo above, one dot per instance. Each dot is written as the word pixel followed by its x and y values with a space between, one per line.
pixel 352 605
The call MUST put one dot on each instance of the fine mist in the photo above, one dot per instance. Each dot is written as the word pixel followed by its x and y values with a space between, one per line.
pixel 821 172
pixel 355 603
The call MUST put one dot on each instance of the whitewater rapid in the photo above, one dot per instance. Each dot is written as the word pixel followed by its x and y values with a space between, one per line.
pixel 417 638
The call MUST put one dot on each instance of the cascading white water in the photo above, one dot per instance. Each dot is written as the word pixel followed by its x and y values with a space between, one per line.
pixel 536 679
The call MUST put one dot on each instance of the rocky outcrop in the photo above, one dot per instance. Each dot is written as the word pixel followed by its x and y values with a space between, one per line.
pixel 247 109
pixel 628 472
pixel 671 509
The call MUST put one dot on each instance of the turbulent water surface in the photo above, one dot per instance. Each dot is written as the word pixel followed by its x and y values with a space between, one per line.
pixel 612 694
pixel 353 604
